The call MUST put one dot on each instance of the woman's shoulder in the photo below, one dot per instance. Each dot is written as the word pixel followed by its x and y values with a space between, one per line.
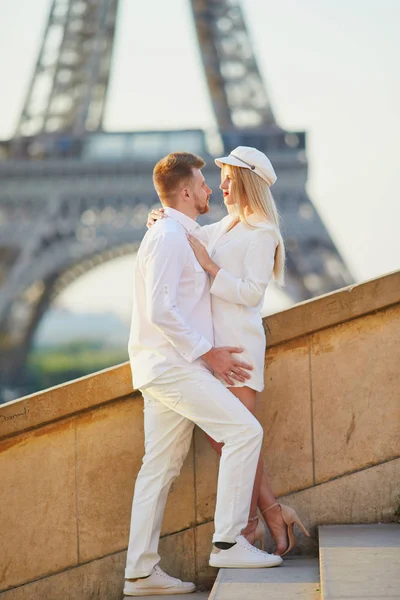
pixel 227 220
pixel 259 224
pixel 264 231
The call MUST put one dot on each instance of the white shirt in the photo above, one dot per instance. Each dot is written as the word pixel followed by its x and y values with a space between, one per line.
pixel 171 316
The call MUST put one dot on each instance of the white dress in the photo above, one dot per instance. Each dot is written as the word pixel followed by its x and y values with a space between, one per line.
pixel 246 257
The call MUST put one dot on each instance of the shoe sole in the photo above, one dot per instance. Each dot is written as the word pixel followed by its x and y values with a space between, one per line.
pixel 233 565
pixel 160 591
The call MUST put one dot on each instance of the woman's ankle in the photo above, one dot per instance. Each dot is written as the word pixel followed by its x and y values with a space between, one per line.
pixel 251 525
pixel 270 511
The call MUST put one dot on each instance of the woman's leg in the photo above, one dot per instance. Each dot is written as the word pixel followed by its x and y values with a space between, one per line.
pixel 262 496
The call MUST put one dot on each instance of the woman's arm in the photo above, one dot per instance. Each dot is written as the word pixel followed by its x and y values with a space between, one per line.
pixel 258 267
pixel 205 234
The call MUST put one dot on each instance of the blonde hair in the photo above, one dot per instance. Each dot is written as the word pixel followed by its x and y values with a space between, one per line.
pixel 252 192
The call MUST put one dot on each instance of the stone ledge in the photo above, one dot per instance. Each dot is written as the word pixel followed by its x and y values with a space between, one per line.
pixel 65 400
pixel 331 309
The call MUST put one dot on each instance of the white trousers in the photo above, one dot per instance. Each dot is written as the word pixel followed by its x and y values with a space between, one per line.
pixel 173 403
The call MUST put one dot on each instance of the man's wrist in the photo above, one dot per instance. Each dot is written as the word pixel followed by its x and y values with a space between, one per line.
pixel 208 354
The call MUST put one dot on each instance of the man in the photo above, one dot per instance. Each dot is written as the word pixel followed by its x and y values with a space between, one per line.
pixel 172 359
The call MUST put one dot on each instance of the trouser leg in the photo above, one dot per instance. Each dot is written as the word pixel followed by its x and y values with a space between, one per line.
pixel 200 397
pixel 167 441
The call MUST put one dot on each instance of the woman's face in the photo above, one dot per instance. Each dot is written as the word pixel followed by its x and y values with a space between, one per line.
pixel 227 186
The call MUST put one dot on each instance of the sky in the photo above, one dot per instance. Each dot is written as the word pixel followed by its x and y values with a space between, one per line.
pixel 331 67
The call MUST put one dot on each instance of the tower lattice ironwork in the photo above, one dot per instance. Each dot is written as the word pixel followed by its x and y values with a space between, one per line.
pixel 85 201
pixel 68 88
pixel 236 88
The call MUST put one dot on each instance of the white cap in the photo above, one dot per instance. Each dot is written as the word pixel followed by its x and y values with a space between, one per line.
pixel 250 158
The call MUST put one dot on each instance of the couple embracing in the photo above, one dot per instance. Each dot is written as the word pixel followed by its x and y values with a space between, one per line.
pixel 197 348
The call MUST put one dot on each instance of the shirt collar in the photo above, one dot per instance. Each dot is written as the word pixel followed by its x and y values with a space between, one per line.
pixel 189 224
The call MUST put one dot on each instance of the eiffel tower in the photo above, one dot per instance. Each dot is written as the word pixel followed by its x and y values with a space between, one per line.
pixel 74 196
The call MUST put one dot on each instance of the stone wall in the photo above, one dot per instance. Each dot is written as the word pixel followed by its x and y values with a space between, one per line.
pixel 330 411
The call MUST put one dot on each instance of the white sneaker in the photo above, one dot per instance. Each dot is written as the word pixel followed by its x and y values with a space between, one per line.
pixel 158 584
pixel 243 556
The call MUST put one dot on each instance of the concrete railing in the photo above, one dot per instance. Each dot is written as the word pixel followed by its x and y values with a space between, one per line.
pixel 330 411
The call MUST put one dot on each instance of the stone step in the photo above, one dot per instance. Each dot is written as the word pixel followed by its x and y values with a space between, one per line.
pixel 296 579
pixel 194 596
pixel 360 562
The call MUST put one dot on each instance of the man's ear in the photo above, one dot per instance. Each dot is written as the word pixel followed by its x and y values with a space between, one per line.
pixel 185 195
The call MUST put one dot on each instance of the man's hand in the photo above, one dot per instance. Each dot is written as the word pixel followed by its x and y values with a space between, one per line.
pixel 223 363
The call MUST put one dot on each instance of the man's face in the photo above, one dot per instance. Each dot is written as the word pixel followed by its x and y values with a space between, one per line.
pixel 200 192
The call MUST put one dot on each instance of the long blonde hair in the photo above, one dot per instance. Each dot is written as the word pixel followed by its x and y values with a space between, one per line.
pixel 253 193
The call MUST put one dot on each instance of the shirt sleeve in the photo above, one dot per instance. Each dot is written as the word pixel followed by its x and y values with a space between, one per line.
pixel 258 267
pixel 164 266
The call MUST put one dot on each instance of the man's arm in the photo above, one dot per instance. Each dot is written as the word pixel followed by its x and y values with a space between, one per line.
pixel 205 233
pixel 164 266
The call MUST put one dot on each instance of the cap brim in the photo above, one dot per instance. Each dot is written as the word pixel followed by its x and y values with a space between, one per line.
pixel 230 160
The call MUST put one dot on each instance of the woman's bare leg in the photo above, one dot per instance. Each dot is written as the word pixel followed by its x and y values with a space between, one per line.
pixel 262 496
pixel 273 517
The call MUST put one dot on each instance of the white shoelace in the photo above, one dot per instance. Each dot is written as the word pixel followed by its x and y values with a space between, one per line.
pixel 159 571
pixel 246 544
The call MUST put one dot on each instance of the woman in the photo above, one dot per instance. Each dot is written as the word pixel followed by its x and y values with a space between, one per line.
pixel 241 253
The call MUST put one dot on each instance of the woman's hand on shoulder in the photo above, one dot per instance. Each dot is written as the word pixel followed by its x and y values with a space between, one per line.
pixel 155 215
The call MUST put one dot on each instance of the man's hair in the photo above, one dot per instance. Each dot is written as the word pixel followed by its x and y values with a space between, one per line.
pixel 173 170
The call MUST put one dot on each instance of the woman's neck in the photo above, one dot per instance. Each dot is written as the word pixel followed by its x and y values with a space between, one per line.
pixel 247 212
